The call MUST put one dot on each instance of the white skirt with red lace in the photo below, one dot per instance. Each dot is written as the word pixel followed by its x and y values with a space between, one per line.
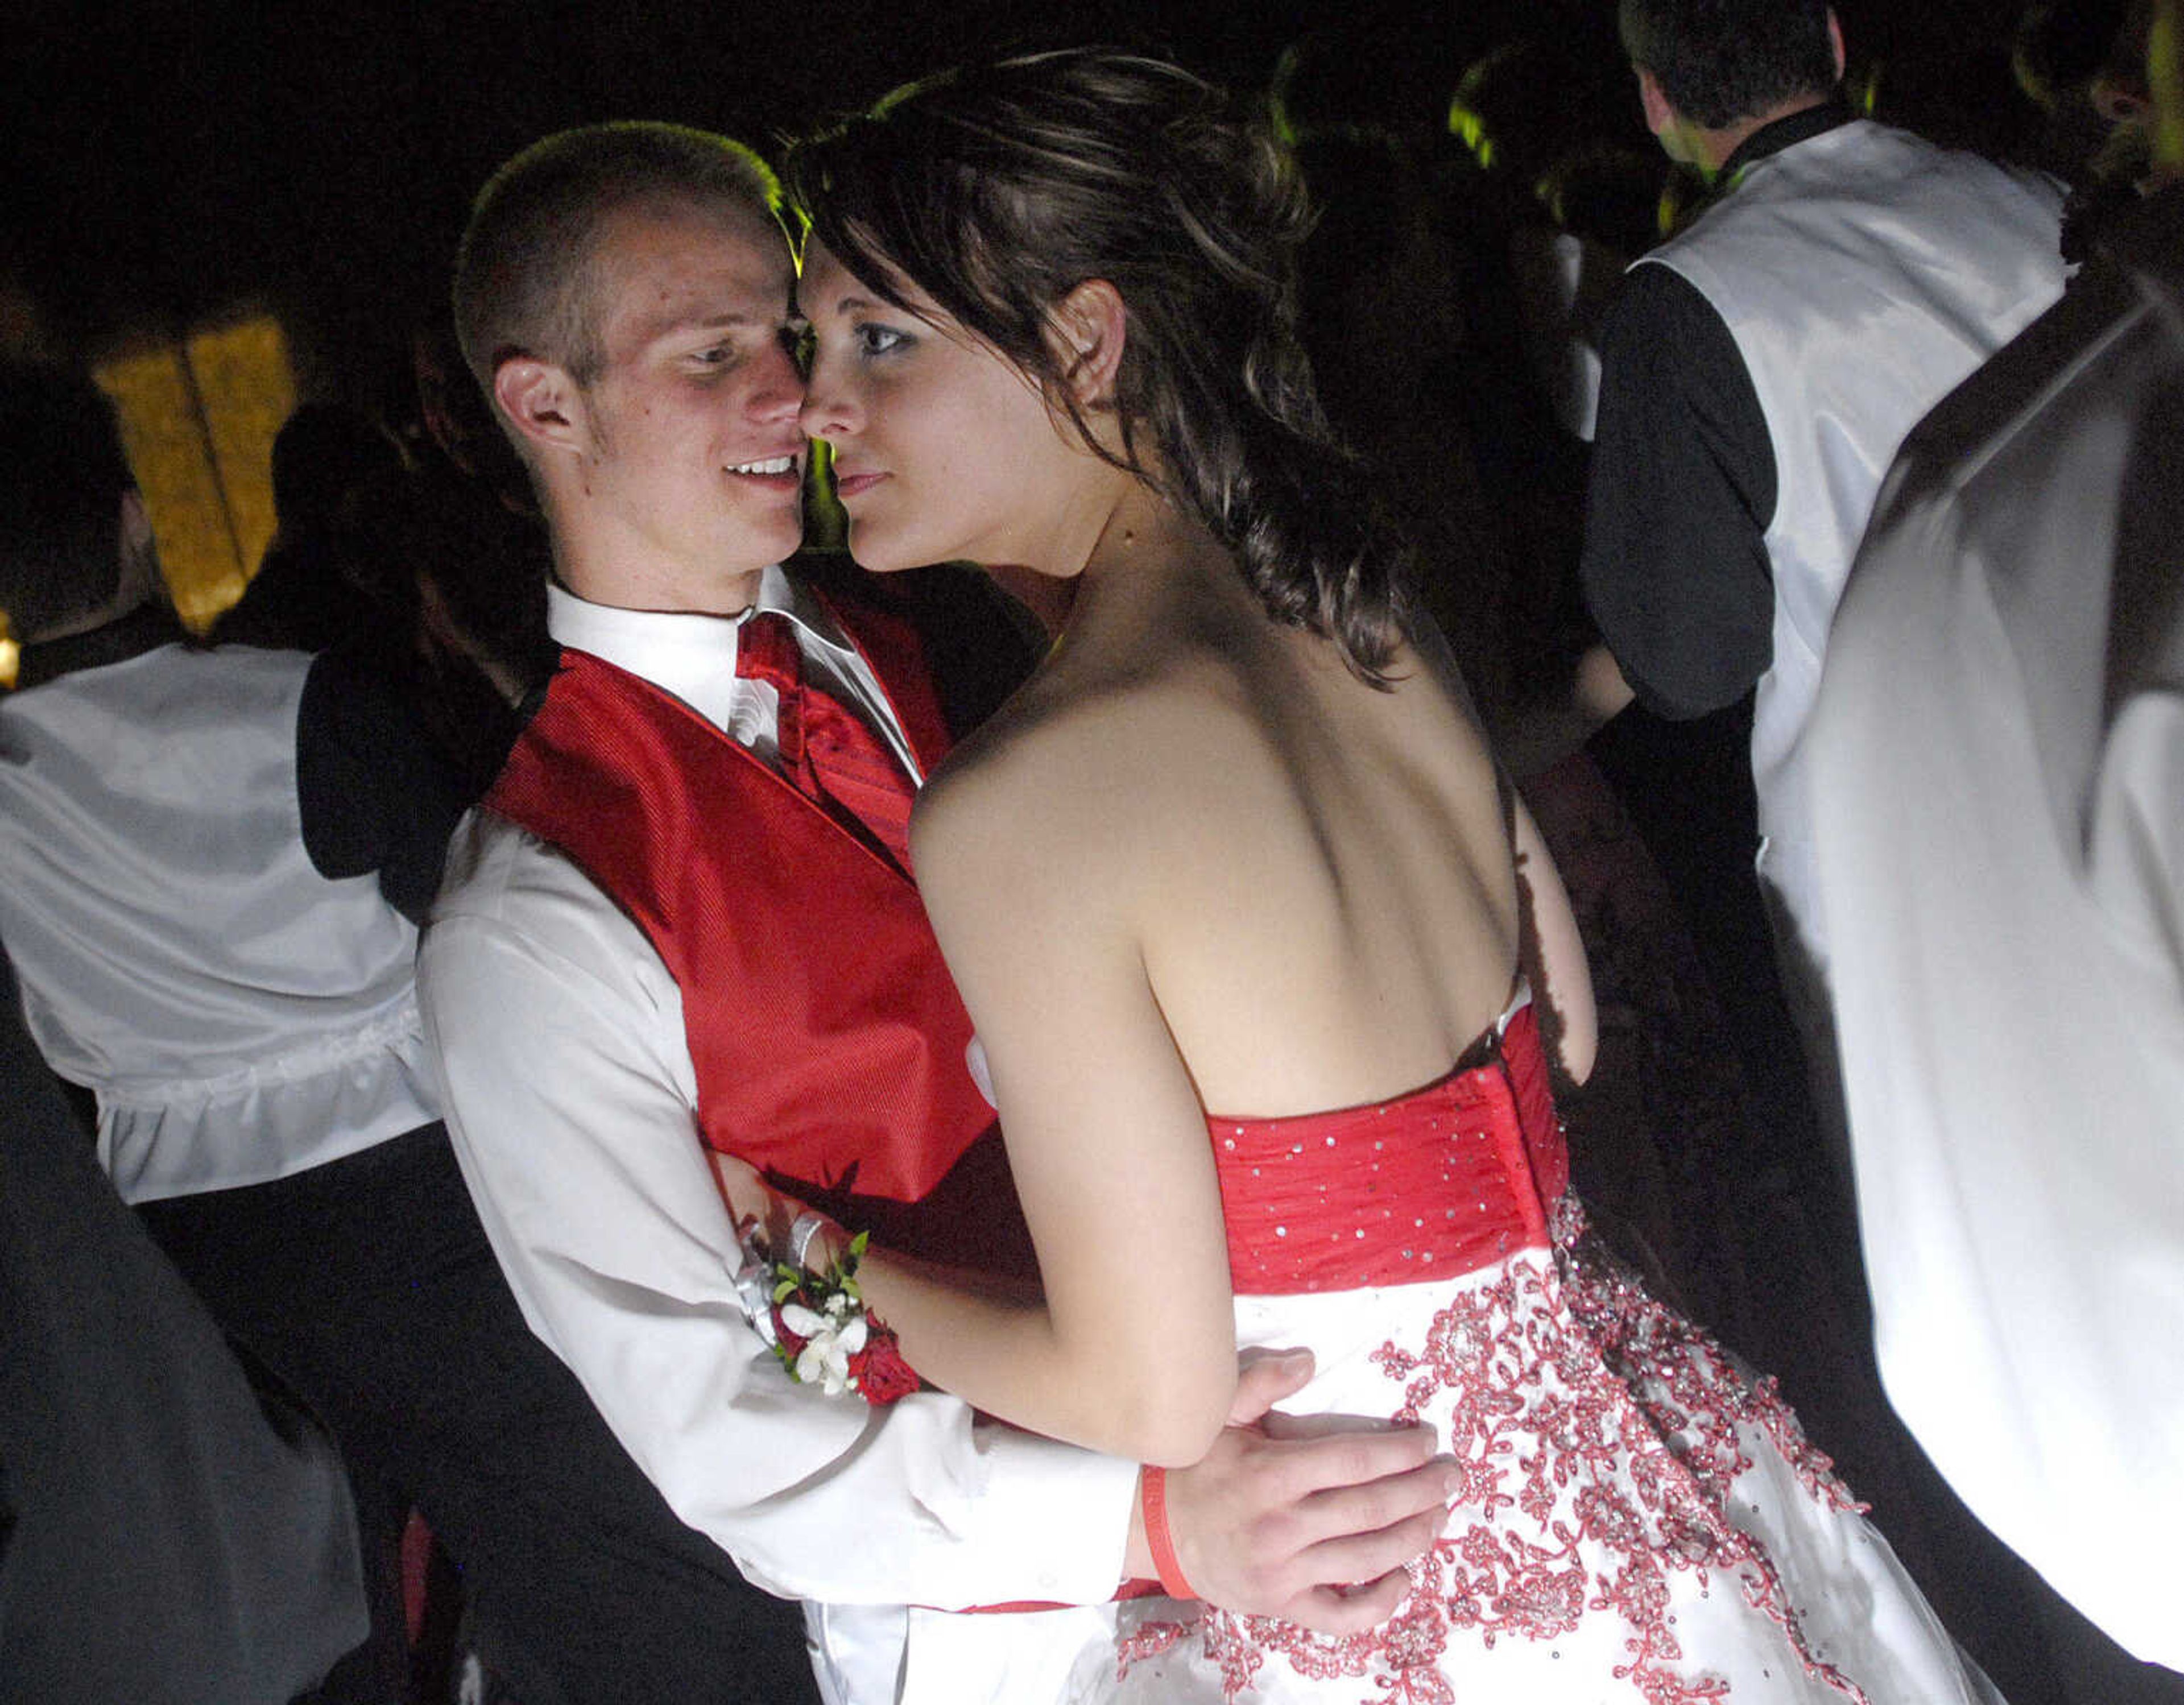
pixel 1641 1521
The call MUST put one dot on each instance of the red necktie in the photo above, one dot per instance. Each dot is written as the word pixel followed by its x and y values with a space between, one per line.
pixel 827 750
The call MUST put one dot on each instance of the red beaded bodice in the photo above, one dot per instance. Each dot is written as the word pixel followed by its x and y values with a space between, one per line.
pixel 1439 1181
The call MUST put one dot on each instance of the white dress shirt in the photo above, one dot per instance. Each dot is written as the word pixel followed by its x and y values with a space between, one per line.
pixel 694 658
pixel 1998 761
pixel 573 1105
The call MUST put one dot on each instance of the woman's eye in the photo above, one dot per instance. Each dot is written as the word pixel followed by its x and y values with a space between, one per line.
pixel 879 340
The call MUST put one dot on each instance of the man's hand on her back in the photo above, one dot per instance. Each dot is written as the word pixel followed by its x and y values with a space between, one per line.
pixel 1311 1520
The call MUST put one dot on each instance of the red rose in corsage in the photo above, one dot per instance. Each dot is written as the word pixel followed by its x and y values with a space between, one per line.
pixel 879 1372
pixel 826 1336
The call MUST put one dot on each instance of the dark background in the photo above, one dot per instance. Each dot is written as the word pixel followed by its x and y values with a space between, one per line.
pixel 166 163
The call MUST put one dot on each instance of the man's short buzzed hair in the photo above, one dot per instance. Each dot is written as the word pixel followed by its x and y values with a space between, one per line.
pixel 1719 61
pixel 524 282
pixel 63 476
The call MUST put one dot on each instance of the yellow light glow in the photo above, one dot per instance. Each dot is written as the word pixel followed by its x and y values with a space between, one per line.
pixel 825 524
pixel 1863 90
pixel 2164 76
pixel 244 378
pixel 162 434
pixel 197 421
pixel 1470 129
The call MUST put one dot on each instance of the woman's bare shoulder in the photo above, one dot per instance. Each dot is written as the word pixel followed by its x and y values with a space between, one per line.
pixel 1069 762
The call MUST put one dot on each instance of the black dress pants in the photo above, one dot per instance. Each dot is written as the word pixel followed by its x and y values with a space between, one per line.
pixel 163 1538
pixel 367 1286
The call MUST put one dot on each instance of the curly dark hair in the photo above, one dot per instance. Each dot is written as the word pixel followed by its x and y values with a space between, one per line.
pixel 997 189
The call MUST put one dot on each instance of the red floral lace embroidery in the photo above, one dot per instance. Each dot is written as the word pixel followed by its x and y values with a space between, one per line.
pixel 1598 1432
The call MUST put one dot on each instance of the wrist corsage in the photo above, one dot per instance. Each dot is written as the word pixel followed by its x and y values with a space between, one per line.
pixel 825 1335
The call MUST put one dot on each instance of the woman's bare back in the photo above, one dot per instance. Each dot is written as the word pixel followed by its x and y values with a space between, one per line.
pixel 1317 874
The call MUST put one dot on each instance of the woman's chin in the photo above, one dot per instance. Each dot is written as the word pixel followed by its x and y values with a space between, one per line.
pixel 878 553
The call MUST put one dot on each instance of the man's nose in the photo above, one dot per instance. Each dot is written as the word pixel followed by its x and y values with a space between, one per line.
pixel 779 392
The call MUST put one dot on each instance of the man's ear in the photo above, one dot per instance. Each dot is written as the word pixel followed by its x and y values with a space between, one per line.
pixel 1835 41
pixel 1659 114
pixel 541 403
pixel 1089 327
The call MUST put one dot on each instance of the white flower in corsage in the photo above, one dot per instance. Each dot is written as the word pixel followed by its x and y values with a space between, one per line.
pixel 831 1335
pixel 826 1336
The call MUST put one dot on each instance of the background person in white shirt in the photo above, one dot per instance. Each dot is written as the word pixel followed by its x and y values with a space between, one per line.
pixel 250 1029
pixel 624 294
pixel 1998 766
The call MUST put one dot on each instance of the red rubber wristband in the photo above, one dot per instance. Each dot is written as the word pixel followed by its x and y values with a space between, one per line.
pixel 1152 1500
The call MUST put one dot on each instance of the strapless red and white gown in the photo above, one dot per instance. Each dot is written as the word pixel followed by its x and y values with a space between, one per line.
pixel 1639 1521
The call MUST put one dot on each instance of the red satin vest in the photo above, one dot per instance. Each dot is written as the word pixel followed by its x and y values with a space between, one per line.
pixel 828 1042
